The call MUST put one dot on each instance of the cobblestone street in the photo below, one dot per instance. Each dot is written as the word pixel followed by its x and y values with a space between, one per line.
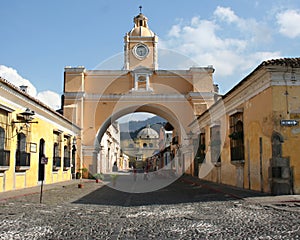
pixel 183 210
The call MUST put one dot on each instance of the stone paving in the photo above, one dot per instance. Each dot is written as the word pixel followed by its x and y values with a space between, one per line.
pixel 182 210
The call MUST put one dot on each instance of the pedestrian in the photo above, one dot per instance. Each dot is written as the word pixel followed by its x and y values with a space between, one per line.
pixel 134 174
pixel 146 173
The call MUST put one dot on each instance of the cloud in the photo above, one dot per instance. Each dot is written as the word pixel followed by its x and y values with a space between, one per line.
pixel 13 77
pixel 253 30
pixel 50 98
pixel 226 14
pixel 288 22
pixel 233 45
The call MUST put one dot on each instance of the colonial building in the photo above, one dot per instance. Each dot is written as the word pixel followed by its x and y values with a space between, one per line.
pixel 250 137
pixel 94 99
pixel 110 149
pixel 36 143
pixel 142 147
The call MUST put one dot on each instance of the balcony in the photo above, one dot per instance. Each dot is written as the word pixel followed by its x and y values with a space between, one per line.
pixel 22 161
pixel 4 160
pixel 56 163
pixel 67 163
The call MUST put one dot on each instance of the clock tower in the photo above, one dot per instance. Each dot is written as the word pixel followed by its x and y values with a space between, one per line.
pixel 140 46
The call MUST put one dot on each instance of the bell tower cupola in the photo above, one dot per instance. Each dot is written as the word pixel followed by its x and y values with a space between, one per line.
pixel 140 45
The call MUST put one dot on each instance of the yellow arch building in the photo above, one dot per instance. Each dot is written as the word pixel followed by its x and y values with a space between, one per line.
pixel 94 99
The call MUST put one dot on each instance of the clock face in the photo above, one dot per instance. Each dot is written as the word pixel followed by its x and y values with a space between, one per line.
pixel 141 50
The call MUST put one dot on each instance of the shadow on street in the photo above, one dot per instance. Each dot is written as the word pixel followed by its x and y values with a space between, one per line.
pixel 182 190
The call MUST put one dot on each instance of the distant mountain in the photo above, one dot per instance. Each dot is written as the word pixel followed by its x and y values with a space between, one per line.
pixel 131 128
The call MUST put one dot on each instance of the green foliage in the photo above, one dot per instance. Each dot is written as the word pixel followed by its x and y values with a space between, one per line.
pixel 98 176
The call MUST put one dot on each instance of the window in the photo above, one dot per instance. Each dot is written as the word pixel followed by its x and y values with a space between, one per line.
pixel 236 137
pixel 67 163
pixel 4 128
pixel 56 150
pixel 200 154
pixel 2 138
pixel 4 155
pixel 22 157
pixel 215 144
pixel 142 82
pixel 56 157
pixel 144 145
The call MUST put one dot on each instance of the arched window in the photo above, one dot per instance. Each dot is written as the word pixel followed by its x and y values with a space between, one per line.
pixel 144 145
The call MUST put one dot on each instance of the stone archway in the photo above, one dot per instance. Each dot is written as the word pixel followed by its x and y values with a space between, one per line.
pixel 180 130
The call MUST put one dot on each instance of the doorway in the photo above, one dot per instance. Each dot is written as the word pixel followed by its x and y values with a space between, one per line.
pixel 41 173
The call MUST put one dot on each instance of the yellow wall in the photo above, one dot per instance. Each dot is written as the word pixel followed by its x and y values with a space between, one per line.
pixel 288 107
pixel 258 123
pixel 261 117
pixel 11 179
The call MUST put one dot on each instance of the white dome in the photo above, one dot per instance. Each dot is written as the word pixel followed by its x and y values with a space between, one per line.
pixel 147 132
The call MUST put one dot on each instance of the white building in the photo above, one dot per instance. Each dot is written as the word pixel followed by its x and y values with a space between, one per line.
pixel 110 149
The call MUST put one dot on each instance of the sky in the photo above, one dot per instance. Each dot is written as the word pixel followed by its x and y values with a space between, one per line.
pixel 39 38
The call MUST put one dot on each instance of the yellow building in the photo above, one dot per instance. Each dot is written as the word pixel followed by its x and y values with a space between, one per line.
pixel 145 145
pixel 94 99
pixel 250 137
pixel 36 143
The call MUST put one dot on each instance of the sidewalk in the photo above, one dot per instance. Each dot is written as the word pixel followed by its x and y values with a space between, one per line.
pixel 240 193
pixel 36 189
pixel 237 193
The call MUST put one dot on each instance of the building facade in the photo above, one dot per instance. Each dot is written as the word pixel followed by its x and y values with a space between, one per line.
pixel 36 143
pixel 94 99
pixel 250 137
pixel 110 150
pixel 145 145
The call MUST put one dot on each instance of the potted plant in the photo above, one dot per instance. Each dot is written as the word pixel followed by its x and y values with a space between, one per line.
pixel 80 172
pixel 98 177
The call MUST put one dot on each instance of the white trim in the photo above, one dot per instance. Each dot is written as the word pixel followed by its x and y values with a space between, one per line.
pixel 234 111
pixel 34 106
pixel 5 108
pixel 140 95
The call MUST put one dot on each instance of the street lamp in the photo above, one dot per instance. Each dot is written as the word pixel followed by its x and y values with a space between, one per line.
pixel 74 142
pixel 27 117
